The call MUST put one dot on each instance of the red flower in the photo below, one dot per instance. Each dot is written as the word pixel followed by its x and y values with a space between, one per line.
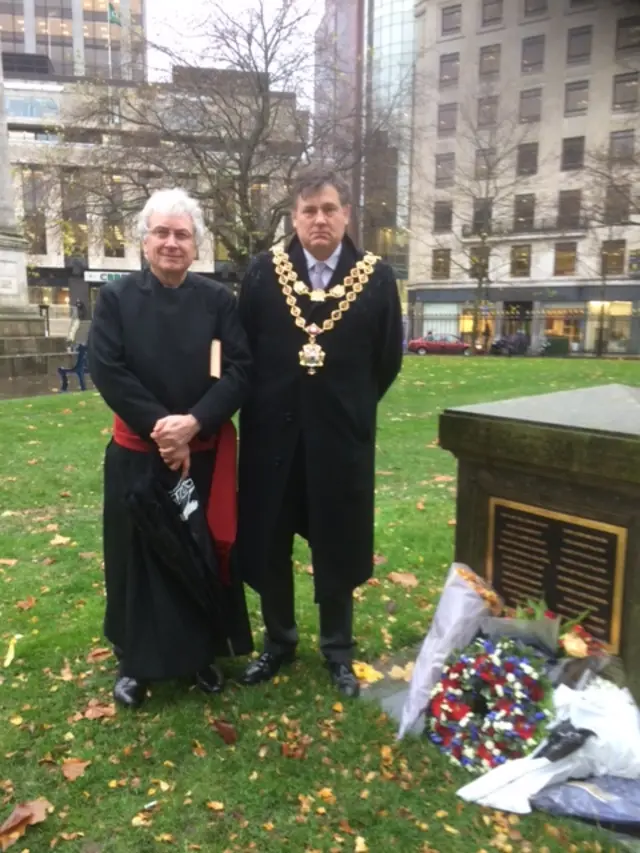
pixel 549 614
pixel 459 711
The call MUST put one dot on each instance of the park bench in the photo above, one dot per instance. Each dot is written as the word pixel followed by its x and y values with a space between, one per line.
pixel 80 369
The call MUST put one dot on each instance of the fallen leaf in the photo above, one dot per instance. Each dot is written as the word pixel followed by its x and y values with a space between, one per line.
pixel 443 478
pixel 365 672
pixel 215 806
pixel 97 710
pixel 9 563
pixel 65 673
pixel 11 650
pixel 16 720
pixel 361 845
pixel 23 816
pixel 338 708
pixel 379 560
pixel 198 749
pixel 60 540
pixel 97 655
pixel 165 838
pixel 402 673
pixel 226 731
pixel 65 494
pixel 407 580
pixel 452 522
pixel 27 604
pixel 420 506
pixel 142 819
pixel 87 555
pixel 73 768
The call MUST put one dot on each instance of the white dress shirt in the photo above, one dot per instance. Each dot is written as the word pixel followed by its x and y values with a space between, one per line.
pixel 329 265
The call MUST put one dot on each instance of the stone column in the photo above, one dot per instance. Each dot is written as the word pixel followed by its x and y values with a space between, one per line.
pixel 13 265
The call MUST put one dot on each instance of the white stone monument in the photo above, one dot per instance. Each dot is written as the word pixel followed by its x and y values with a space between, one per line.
pixel 13 263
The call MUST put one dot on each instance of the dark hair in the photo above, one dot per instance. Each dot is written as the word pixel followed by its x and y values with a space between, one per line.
pixel 312 179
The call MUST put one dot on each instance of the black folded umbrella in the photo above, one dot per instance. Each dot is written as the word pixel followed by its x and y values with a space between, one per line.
pixel 167 511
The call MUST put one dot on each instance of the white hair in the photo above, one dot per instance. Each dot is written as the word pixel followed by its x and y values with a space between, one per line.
pixel 174 202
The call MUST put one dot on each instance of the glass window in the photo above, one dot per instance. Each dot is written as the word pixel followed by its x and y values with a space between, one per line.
pixel 479 255
pixel 485 161
pixel 33 197
pixel 482 214
pixel 576 98
pixel 530 105
pixel 489 63
pixel 441 263
pixel 527 161
pixel 579 45
pixel 447 119
pixel 532 54
pixel 487 111
pixel 622 146
pixel 628 34
pixel 572 153
pixel 569 207
pixel 451 19
pixel 491 12
pixel 524 212
pixel 566 256
pixel 617 204
pixel 625 91
pixel 521 261
pixel 535 7
pixel 612 257
pixel 442 216
pixel 449 69
pixel 445 169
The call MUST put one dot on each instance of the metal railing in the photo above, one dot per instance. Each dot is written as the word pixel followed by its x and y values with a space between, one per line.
pixel 557 225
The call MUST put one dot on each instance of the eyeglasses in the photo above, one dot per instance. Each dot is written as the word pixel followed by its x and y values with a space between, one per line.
pixel 181 236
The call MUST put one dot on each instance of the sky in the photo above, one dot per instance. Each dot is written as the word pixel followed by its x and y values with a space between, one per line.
pixel 176 31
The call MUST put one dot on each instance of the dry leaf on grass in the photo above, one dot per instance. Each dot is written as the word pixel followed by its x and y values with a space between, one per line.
pixel 9 563
pixel 27 604
pixel 97 655
pixel 403 579
pixel 60 540
pixel 97 710
pixel 11 650
pixel 73 768
pixel 226 731
pixel 23 816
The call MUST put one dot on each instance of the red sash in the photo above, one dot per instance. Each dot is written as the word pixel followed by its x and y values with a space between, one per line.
pixel 221 508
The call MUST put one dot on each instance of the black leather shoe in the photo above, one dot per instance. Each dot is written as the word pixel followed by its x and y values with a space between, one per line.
pixel 344 678
pixel 129 691
pixel 264 668
pixel 210 679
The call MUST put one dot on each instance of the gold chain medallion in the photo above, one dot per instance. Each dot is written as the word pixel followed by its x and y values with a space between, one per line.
pixel 312 355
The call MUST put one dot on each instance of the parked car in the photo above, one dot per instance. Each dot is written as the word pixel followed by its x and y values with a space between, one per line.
pixel 439 345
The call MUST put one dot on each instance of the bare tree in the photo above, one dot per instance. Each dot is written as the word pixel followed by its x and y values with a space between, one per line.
pixel 231 126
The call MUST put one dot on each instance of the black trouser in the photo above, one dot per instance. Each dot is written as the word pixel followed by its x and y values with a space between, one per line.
pixel 278 603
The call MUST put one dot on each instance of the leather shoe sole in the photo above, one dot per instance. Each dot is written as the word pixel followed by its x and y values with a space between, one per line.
pixel 129 691
pixel 264 668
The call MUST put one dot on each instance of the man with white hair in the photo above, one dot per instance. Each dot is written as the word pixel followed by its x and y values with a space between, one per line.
pixel 170 358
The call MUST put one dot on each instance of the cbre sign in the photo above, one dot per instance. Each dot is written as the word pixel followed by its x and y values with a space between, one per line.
pixel 103 276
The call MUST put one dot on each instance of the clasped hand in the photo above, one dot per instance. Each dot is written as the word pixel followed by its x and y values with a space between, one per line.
pixel 172 435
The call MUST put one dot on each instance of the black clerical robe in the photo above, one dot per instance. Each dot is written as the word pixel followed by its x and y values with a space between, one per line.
pixel 149 356
pixel 329 417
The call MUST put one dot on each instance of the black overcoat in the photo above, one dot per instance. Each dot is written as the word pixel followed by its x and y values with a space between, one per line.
pixel 333 412
pixel 149 356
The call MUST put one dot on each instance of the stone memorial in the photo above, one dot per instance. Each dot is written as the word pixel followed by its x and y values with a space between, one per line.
pixel 548 505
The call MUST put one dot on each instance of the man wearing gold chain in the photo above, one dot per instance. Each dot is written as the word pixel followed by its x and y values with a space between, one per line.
pixel 324 324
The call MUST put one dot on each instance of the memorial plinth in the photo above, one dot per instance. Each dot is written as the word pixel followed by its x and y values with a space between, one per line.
pixel 549 505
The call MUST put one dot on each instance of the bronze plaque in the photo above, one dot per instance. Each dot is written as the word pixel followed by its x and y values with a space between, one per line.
pixel 574 564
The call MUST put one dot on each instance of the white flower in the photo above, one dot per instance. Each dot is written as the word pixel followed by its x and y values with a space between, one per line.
pixel 511 677
pixel 489 744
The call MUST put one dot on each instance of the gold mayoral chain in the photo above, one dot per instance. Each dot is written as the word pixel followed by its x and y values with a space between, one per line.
pixel 312 355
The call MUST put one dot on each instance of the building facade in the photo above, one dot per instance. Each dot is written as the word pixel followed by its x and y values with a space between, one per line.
pixel 524 177
pixel 96 38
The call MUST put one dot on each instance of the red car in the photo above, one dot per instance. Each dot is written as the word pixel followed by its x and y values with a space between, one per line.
pixel 439 345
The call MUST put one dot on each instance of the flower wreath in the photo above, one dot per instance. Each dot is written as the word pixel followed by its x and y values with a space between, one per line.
pixel 492 704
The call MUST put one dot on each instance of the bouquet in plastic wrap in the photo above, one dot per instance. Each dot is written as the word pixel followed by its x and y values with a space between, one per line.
pixel 465 603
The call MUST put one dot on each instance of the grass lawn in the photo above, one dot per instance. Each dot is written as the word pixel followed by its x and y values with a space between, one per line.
pixel 350 781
